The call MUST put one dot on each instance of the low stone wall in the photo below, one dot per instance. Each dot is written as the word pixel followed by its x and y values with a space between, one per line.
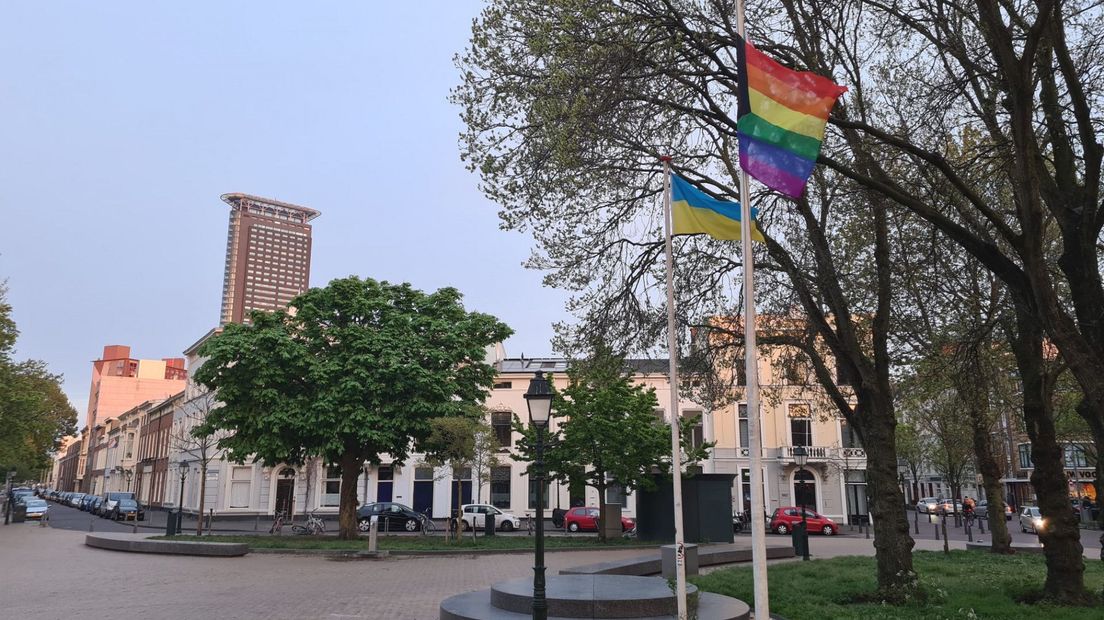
pixel 142 543
pixel 653 565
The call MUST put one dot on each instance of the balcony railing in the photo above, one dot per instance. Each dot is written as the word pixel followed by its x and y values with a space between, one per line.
pixel 824 453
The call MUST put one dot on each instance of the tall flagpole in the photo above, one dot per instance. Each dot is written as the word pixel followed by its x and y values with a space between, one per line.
pixel 672 347
pixel 755 450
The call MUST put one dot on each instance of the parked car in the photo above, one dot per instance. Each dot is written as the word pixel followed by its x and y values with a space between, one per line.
pixel 927 505
pixel 86 503
pixel 111 498
pixel 981 511
pixel 392 517
pixel 585 519
pixel 37 508
pixel 75 498
pixel 947 506
pixel 127 509
pixel 1031 519
pixel 475 515
pixel 784 519
pixel 95 504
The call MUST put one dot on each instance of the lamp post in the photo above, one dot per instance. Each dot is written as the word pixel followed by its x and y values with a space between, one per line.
pixel 539 400
pixel 182 466
pixel 801 457
pixel 129 473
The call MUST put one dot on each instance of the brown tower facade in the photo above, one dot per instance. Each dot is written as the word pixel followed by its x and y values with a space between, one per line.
pixel 268 252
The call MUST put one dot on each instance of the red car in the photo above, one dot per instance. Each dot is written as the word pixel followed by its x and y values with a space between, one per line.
pixel 784 519
pixel 586 520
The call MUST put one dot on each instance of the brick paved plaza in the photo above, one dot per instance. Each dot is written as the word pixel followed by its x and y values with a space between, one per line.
pixel 48 573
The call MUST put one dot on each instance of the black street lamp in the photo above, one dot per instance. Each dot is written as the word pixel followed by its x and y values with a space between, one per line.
pixel 182 466
pixel 129 473
pixel 801 457
pixel 539 400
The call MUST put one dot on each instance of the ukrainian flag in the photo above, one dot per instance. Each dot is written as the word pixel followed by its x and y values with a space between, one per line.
pixel 695 212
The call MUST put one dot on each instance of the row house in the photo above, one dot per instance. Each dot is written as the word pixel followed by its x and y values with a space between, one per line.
pixel 152 475
pixel 794 413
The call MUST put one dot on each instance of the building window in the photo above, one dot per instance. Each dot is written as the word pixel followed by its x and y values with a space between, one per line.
pixel 697 431
pixel 615 493
pixel 1075 456
pixel 241 479
pixel 848 437
pixel 503 385
pixel 500 487
pixel 533 494
pixel 796 369
pixel 331 486
pixel 500 422
pixel 744 437
pixel 423 473
pixel 1025 456
pixel 801 426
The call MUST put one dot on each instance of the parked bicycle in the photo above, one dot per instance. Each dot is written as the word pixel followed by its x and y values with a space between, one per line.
pixel 313 526
pixel 277 523
pixel 428 527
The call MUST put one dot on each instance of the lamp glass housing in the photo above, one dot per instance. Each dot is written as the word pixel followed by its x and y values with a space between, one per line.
pixel 800 455
pixel 539 399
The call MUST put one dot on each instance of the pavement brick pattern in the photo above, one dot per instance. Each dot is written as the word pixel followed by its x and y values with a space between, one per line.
pixel 49 573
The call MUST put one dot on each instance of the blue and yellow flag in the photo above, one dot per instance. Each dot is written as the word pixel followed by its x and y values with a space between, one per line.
pixel 695 212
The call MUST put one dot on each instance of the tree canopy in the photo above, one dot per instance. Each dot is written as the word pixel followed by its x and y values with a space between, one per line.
pixel 34 413
pixel 350 373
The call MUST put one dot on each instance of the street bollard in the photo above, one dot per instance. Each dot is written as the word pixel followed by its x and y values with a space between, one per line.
pixel 936 526
pixel 916 521
pixel 981 525
pixel 866 530
pixel 90 523
pixel 373 534
pixel 969 532
pixel 946 543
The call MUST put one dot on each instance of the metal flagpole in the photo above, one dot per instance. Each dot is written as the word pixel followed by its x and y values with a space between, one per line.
pixel 672 347
pixel 755 450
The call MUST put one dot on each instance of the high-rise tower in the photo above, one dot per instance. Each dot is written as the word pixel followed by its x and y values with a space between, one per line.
pixel 268 252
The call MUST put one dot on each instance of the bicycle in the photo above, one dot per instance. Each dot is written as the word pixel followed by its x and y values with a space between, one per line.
pixel 428 527
pixel 313 526
pixel 277 523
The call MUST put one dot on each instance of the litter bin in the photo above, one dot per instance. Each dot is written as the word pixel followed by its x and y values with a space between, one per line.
pixel 170 524
pixel 799 537
pixel 489 525
pixel 19 513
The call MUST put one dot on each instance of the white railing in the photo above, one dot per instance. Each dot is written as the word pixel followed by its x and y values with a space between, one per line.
pixel 824 453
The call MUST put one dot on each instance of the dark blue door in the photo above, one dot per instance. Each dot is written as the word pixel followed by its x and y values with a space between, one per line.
pixel 423 497
pixel 385 484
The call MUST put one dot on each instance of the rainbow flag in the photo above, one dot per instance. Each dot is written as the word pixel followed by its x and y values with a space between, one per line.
pixel 780 120
pixel 694 212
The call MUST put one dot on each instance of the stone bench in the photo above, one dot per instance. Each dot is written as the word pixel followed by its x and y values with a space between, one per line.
pixel 1017 547
pixel 653 564
pixel 142 543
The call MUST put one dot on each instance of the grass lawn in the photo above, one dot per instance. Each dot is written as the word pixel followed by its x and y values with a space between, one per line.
pixel 966 584
pixel 412 543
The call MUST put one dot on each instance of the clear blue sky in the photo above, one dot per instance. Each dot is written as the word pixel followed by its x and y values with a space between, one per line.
pixel 121 123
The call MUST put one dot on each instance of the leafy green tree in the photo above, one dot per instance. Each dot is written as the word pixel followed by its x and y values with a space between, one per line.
pixel 34 413
pixel 606 431
pixel 354 371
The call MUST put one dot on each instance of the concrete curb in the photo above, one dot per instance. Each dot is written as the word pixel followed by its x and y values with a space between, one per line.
pixel 141 543
pixel 423 552
pixel 1017 547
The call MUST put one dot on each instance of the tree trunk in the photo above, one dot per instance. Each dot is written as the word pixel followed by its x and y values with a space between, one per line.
pixel 202 493
pixel 347 512
pixel 994 492
pixel 892 542
pixel 1061 536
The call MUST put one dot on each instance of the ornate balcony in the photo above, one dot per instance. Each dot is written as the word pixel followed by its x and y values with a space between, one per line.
pixel 823 454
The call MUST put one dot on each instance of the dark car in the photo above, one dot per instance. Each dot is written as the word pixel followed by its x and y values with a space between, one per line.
pixel 392 517
pixel 86 503
pixel 95 504
pixel 127 509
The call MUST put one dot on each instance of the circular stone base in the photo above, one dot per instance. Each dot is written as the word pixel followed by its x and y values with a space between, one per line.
pixel 588 596
pixel 592 596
